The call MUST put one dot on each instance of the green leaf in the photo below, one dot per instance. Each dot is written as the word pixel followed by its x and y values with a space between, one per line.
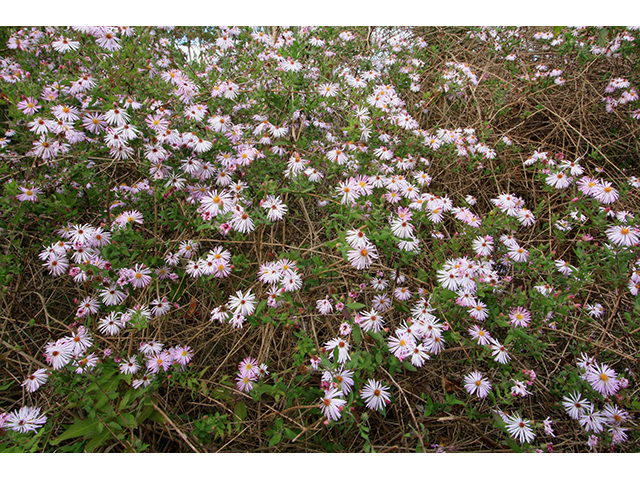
pixel 156 416
pixel 125 399
pixel 6 385
pixel 144 414
pixel 275 439
pixel 260 307
pixel 290 434
pixel 357 335
pixel 240 410
pixel 80 428
pixel 355 306
pixel 97 441
pixel 409 366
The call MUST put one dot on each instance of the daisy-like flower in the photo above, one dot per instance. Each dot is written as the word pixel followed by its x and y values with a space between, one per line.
pixel 362 257
pixel 150 348
pixel 605 193
pixel 111 324
pixel 245 383
pixel 595 310
pixel 378 283
pixel 349 190
pixel 483 246
pixel 435 342
pixel 525 217
pixel 242 303
pixel 517 253
pixel 592 420
pixel 375 395
pixel 402 293
pixel 499 352
pixel 357 238
pixel 29 194
pixel 419 355
pixel 112 296
pixel 131 216
pixel 545 290
pixel 29 106
pixel 63 45
pixel 160 306
pixel 275 208
pixel 402 228
pixel 182 355
pixel 345 329
pixel 117 117
pixel 519 428
pixel 381 303
pixel 520 317
pixel 80 341
pixel 476 383
pixel 188 248
pixel 343 379
pixel 519 389
pixel 263 370
pixel 478 310
pixel 328 89
pixel 324 306
pixel 139 276
pixel 248 367
pixel 482 336
pixel 129 366
pixel 558 180
pixel 194 269
pixel 57 265
pixel 343 349
pixel 242 222
pixel 34 381
pixel 332 404
pixel 603 379
pixel 575 405
pixel 161 360
pixel 66 113
pixel 623 235
pixel 565 267
pixel 269 273
pixel 143 381
pixel 371 321
pixel 59 353
pixel 402 346
pixel 588 186
pixel 81 234
pixel 27 419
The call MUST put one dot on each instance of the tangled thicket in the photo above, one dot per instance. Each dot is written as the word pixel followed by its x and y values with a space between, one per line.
pixel 459 133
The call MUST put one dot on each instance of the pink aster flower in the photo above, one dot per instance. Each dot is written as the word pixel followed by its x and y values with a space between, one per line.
pixel 476 383
pixel 623 235
pixel 139 276
pixel 244 383
pixel 332 404
pixel 183 355
pixel 59 353
pixel 29 106
pixel 482 336
pixel 27 419
pixel 603 379
pixel 341 345
pixel 606 193
pixel 362 258
pixel 34 381
pixel 375 395
pixel 29 194
pixel 520 317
